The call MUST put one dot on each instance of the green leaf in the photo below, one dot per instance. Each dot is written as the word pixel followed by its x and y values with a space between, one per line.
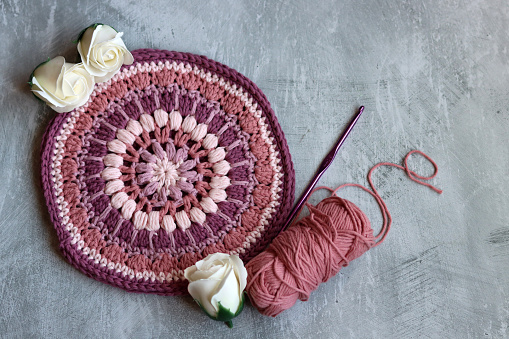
pixel 83 32
pixel 32 74
pixel 224 314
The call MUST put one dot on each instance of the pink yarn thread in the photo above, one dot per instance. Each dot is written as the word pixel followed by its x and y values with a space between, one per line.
pixel 314 249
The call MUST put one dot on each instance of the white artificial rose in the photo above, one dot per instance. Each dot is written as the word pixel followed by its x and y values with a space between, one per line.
pixel 217 283
pixel 103 52
pixel 62 85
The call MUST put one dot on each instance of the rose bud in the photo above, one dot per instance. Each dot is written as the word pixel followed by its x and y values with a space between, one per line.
pixel 217 284
pixel 62 85
pixel 103 52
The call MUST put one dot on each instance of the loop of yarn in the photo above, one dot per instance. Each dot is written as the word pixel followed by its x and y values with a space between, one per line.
pixel 314 249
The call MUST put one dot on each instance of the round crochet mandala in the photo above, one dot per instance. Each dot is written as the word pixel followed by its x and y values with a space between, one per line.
pixel 174 158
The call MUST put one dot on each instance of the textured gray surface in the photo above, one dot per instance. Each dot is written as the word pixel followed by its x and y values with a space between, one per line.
pixel 433 75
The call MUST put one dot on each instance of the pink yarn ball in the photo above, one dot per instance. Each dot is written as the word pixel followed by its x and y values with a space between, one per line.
pixel 307 254
pixel 314 249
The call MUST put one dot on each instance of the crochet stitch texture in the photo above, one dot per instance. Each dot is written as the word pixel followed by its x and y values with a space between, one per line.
pixel 174 158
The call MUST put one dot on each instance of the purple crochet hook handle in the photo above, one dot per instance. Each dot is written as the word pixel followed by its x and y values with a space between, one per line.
pixel 327 161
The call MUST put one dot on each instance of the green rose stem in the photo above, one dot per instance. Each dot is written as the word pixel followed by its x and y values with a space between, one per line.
pixel 224 314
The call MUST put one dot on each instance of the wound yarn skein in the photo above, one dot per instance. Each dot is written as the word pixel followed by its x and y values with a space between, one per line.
pixel 315 248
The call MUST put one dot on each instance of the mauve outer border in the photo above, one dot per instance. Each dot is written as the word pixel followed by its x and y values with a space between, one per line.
pixel 103 274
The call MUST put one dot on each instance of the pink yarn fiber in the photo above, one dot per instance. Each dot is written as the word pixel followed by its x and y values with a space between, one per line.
pixel 307 254
pixel 314 249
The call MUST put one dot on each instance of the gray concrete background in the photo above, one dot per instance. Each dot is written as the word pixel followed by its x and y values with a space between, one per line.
pixel 433 75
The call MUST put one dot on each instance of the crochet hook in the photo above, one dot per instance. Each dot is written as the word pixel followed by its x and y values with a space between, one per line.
pixel 326 162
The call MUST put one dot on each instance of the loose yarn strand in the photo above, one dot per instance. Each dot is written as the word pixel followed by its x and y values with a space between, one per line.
pixel 387 218
pixel 315 248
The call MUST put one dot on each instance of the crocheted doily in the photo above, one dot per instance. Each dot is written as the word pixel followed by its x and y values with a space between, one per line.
pixel 174 158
